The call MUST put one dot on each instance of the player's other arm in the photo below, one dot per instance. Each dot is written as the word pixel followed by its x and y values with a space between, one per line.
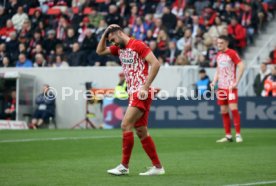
pixel 101 48
pixel 212 85
pixel 155 65
pixel 241 68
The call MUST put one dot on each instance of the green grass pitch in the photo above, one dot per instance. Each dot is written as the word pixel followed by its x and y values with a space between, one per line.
pixel 81 157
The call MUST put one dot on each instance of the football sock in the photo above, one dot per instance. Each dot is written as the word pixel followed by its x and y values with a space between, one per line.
pixel 227 124
pixel 236 121
pixel 128 143
pixel 150 149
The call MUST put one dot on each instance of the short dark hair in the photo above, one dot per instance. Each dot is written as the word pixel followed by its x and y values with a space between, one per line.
pixel 112 30
pixel 202 71
pixel 225 38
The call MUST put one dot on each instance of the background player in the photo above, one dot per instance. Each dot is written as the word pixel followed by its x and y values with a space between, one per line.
pixel 135 58
pixel 227 94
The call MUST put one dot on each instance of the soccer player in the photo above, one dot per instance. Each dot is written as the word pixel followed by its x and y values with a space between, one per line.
pixel 135 57
pixel 227 62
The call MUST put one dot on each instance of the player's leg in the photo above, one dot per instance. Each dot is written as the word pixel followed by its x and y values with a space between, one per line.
pixel 149 147
pixel 132 115
pixel 233 105
pixel 222 101
pixel 226 124
pixel 236 120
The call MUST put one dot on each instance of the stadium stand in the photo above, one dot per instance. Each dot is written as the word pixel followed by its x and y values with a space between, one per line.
pixel 65 28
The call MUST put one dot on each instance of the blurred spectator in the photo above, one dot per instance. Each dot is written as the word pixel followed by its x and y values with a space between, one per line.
pixel 37 50
pixel 26 31
pixel 3 51
pixel 270 83
pixel 12 7
pixel 154 49
pixel 249 21
pixel 76 58
pixel 149 37
pixel 238 32
pixel 23 62
pixel 10 107
pixel 39 61
pixel 202 62
pixel 185 41
pixel 19 18
pixel 187 20
pixel 60 62
pixel 172 53
pixel 12 46
pixel 6 31
pixel 272 56
pixel 37 39
pixel 162 43
pixel 138 29
pixel 45 107
pixel 196 26
pixel 132 18
pixel 120 90
pixel 227 14
pixel 178 7
pixel 159 9
pixel 100 30
pixel 113 17
pixel 181 60
pixel 157 27
pixel 51 42
pixel 148 23
pixel 178 32
pixel 3 15
pixel 216 30
pixel 5 62
pixel 70 40
pixel 260 79
pixel 168 19
pixel 203 84
pixel 204 18
pixel 95 18
pixel 61 29
pixel 36 18
pixel 200 5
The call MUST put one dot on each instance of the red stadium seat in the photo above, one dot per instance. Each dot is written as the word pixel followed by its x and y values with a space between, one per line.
pixel 100 1
pixel 32 11
pixel 87 10
pixel 53 11
pixel 265 6
pixel 75 10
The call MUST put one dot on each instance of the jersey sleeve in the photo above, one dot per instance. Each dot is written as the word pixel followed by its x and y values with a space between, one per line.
pixel 114 50
pixel 142 49
pixel 235 57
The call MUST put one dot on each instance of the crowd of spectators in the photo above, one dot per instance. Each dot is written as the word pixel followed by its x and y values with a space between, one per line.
pixel 62 33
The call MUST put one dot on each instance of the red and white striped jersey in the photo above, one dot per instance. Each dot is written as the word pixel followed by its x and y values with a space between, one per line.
pixel 135 67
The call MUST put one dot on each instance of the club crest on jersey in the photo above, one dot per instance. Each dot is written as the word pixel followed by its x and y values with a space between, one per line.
pixel 224 60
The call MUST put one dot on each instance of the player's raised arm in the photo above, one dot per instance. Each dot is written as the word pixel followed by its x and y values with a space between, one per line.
pixel 101 48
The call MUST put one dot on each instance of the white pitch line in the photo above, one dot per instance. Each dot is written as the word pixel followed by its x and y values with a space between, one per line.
pixel 56 139
pixel 256 183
